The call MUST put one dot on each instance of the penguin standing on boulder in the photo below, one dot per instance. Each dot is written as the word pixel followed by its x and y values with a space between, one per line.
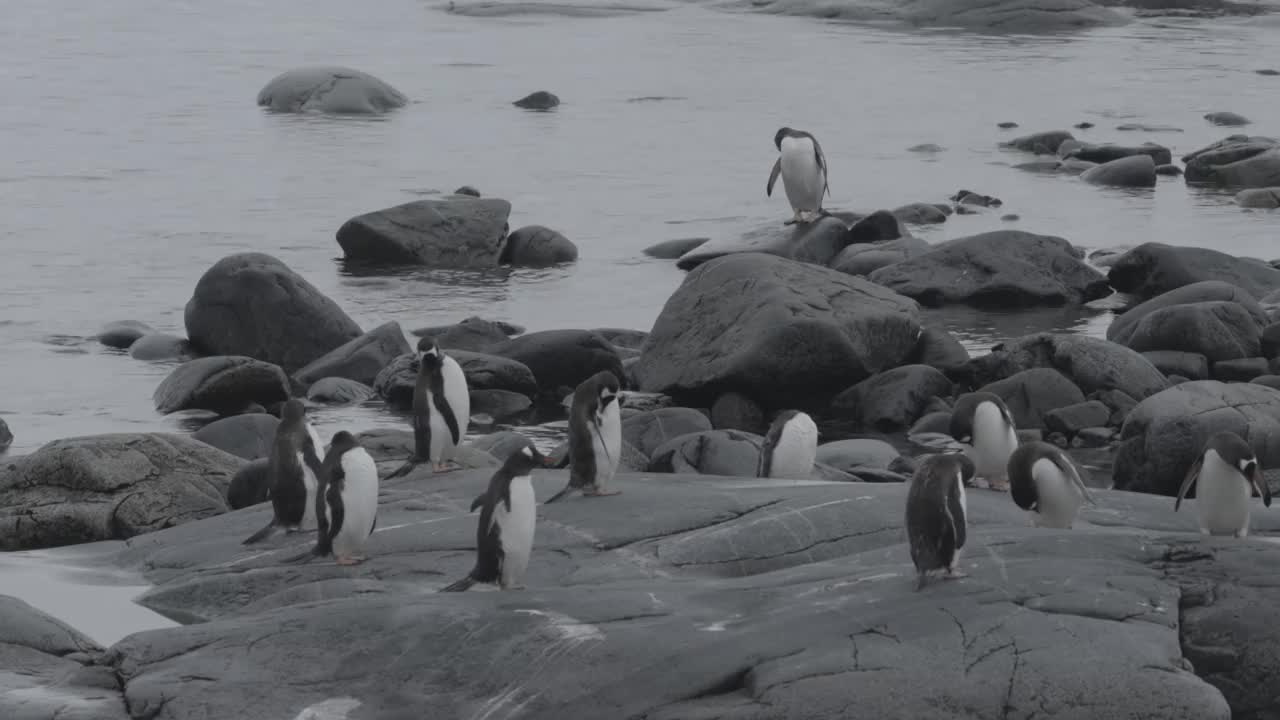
pixel 1226 473
pixel 504 535
pixel 936 516
pixel 790 447
pixel 804 173
pixel 595 436
pixel 441 408
pixel 1044 482
pixel 295 475
pixel 983 424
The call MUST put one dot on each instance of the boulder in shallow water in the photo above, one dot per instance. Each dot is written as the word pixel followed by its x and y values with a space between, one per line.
pixel 6 436
pixel 221 384
pixel 1129 171
pixel 453 233
pixel 493 372
pixel 1105 153
pixel 250 485
pixel 110 487
pixel 1228 119
pixel 501 405
pixel 816 242
pixel 160 346
pixel 1236 161
pixel 920 213
pixel 1262 198
pixel 1218 330
pixel 865 258
pixel 361 359
pixel 1041 143
pixel 538 246
pixel 1205 291
pixel 338 391
pixel 1154 268
pixel 1091 363
pixel 538 100
pixel 673 249
pixel 252 304
pixel 329 89
pixel 122 333
pixel 247 436
pixel 879 226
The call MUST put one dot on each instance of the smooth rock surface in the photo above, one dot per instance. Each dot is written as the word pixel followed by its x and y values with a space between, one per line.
pixel 1236 161
pixel 818 242
pixel 361 359
pixel 561 359
pixel 451 233
pixel 1154 268
pixel 1130 171
pixel 329 89
pixel 538 246
pixel 1091 363
pixel 247 436
pixel 223 384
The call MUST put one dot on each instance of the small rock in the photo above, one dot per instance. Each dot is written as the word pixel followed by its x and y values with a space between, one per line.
pixel 501 405
pixel 502 444
pixel 122 333
pixel 1032 394
pixel 539 100
pixel 1229 119
pixel 1072 419
pixel 926 148
pixel 673 249
pixel 1083 125
pixel 879 226
pixel 1268 71
pixel 968 197
pixel 1131 171
pixel 893 400
pixel 538 246
pixel 1093 437
pixel 338 391
pixel 938 421
pixel 1010 217
pixel 1168 170
pixel 221 384
pixel 922 213
pixel 1107 152
pixel 735 411
pixel 6 436
pixel 474 334
pixel 1006 125
pixel 1043 143
pixel 248 436
pixel 467 190
pixel 159 346
pixel 360 359
pixel 251 484
pixel 712 452
pixel 1240 370
pixel 1142 127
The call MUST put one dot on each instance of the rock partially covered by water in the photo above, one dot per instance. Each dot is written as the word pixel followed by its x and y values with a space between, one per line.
pixel 1130 171
pixel 122 333
pixel 1009 268
pixel 361 359
pixel 1226 118
pixel 456 232
pixel 1218 330
pixel 160 346
pixel 1236 161
pixel 817 242
pixel 247 436
pixel 538 246
pixel 109 487
pixel 1041 143
pixel 1092 364
pixel 776 329
pixel 252 304
pixel 1263 198
pixel 329 89
pixel 222 384
pixel 1205 291
pixel 866 258
pixel 1106 153
pixel 538 100
pixel 1154 268
pixel 673 249
pixel 1015 16
pixel 6 436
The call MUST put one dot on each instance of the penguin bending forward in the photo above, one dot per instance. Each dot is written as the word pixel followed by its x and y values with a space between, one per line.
pixel 504 535
pixel 441 408
pixel 790 447
pixel 936 515
pixel 295 475
pixel 983 424
pixel 1226 474
pixel 804 173
pixel 1044 482
pixel 595 436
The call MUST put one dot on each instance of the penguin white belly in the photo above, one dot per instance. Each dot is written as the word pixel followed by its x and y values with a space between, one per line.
pixel 802 177
pixel 455 392
pixel 962 521
pixel 359 503
pixel 517 530
pixel 1222 498
pixel 796 450
pixel 1058 497
pixel 608 452
pixel 310 482
pixel 994 441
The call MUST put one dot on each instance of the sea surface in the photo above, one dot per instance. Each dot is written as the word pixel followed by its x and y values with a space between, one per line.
pixel 134 157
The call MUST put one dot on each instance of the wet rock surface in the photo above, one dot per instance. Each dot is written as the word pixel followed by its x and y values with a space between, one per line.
pixel 221 384
pixel 451 233
pixel 329 89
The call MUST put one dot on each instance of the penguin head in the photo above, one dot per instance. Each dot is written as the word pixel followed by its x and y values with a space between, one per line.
pixel 429 356
pixel 777 137
pixel 342 442
pixel 293 411
pixel 607 384
pixel 525 459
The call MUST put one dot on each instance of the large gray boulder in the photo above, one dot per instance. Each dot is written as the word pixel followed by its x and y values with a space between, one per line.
pixel 1108 152
pixel 110 487
pixel 1154 268
pixel 459 232
pixel 252 304
pixel 560 359
pixel 473 333
pixel 893 400
pixel 776 329
pixel 361 359
pixel 248 436
pixel 1264 198
pixel 1204 291
pixel 1009 268
pixel 1236 161
pixel 866 258
pixel 1218 330
pixel 329 89
pixel 818 242
pixel 1129 171
pixel 1091 363
pixel 1015 16
pixel 221 384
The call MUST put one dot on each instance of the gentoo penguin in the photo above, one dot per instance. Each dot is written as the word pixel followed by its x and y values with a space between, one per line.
pixel 595 436
pixel 789 447
pixel 1228 473
pixel 983 424
pixel 441 408
pixel 804 173
pixel 504 535
pixel 295 475
pixel 351 499
pixel 1044 482
pixel 936 516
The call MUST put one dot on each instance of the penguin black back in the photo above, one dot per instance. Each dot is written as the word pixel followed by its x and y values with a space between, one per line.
pixel 961 427
pixel 291 447
pixel 591 397
pixel 771 439
pixel 936 514
pixel 333 482
pixel 430 378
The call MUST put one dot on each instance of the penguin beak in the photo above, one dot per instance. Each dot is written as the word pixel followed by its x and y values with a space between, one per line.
pixel 1255 474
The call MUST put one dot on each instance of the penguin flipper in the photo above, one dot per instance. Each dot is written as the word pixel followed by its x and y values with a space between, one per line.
pixel 479 501
pixel 459 586
pixel 1068 468
pixel 947 537
pixel 1192 473
pixel 261 534
pixel 773 176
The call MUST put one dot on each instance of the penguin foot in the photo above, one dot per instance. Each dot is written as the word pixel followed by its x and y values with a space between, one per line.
pixel 593 492
pixel 341 560
pixel 953 574
pixel 444 467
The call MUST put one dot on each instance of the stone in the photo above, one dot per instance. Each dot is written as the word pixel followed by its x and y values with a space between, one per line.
pixel 154 347
pixel 968 197
pixel 1107 153
pixel 893 400
pixel 783 332
pixel 360 359
pixel 538 246
pixel 473 333
pixel 649 431
pixel 1239 369
pixel 1091 363
pixel 459 232
pixel 338 391
pixel 467 190
pixel 248 436
pixel 501 405
pixel 1154 268
pixel 879 226
pixel 221 384
pixel 938 421
pixel 1042 143
pixel 1071 419
pixel 817 242
pixel 1129 171
pixel 857 453
pixel 109 487
pixel 673 249
pixel 1122 327
pixel 623 338
pixel 122 333
pixel 1032 394
pixel 1236 161
pixel 735 411
pixel 1271 381
pixel 940 349
pixel 920 213
pixel 1093 437
pixel 1120 402
pixel 864 258
pixel 1219 330
pixel 396 382
pixel 1168 170
pixel 1228 119
pixel 1263 198
pixel 560 359
pixel 251 484
pixel 1009 268
pixel 538 100
pixel 1190 365
pixel 329 89
pixel 710 452
pixel 225 313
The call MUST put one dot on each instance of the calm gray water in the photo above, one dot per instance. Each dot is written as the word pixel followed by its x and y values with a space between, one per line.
pixel 134 157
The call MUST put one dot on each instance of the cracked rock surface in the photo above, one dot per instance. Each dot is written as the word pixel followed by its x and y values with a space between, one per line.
pixel 329 89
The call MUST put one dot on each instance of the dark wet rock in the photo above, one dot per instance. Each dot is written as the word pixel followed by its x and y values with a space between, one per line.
pixel 1143 127
pixel 816 242
pixel 1219 330
pixel 1236 161
pixel 338 391
pixel 361 359
pixel 1271 381
pixel 1200 292
pixel 122 333
pixel 493 372
pixel 1228 119
pixel 1154 268
pixel 1083 125
pixel 6 436
pixel 858 453
pixel 623 337
pixel 250 485
pixel 221 384
pixel 784 332
pixel 969 197
pixel 160 346
pixel 560 358
pixel 1071 419
pixel 1093 437
pixel 922 213
pixel 1010 268
pixel 225 314
pixel 651 430
pixel 1168 170
pixel 711 452
pixel 1107 153
pixel 940 349
pixel 538 100
pixel 673 249
pixel 879 226
pixel 1040 166
pixel 893 400
pixel 926 148
pixel 1263 198
pixel 1165 432
pixel 1271 339
pixel 1032 394
pixel 1129 171
pixel 1268 71
pixel 735 411
pixel 501 405
pixel 1010 217
pixel 1032 16
pixel 109 487
pixel 246 436
pixel 467 190
pixel 1190 365
pixel 1006 125
pixel 329 89
pixel 1042 143
pixel 1240 369
pixel 474 334
pixel 863 259
pixel 455 233
pixel 1092 364
pixel 538 246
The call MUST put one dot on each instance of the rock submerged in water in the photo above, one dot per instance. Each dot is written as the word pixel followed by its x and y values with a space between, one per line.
pixel 560 359
pixel 1263 198
pixel 1228 119
pixel 221 384
pixel 1235 161
pixel 538 100
pixel 1041 143
pixel 329 89
pixel 1128 171
pixel 122 333
pixel 338 391
pixel 6 436
pixel 673 249
pixel 459 233
pixel 538 246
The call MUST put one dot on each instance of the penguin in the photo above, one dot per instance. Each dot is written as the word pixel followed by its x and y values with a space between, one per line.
pixel 790 447
pixel 1044 482
pixel 504 535
pixel 595 436
pixel 351 500
pixel 295 475
pixel 936 516
pixel 441 408
pixel 983 424
pixel 1225 470
pixel 804 173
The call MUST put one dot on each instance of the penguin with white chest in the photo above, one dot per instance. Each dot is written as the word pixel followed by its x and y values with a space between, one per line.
pixel 504 535
pixel 441 408
pixel 937 514
pixel 595 436
pixel 351 500
pixel 1226 474
pixel 790 447
pixel 803 168
pixel 295 474
pixel 1044 482
pixel 983 424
